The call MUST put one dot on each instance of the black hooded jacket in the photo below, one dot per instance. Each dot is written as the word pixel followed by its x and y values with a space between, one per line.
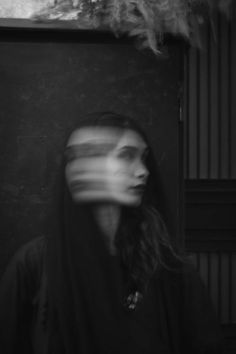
pixel 174 317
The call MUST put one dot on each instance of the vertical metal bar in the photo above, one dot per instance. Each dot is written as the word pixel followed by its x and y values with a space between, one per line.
pixel 213 101
pixel 186 115
pixel 209 102
pixel 233 100
pixel 219 98
pixel 203 106
pixel 224 94
pixel 192 118
pixel 219 286
pixel 230 299
pixel 229 99
pixel 198 113
pixel 209 271
pixel 214 278
pixel 233 286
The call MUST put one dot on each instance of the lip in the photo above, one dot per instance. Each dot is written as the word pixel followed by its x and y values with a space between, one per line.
pixel 139 188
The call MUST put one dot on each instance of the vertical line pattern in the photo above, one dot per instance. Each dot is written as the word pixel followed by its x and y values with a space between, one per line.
pixel 209 102
pixel 230 307
pixel 186 113
pixel 203 108
pixel 210 106
pixel 219 99
pixel 198 115
pixel 214 99
pixel 233 97
pixel 208 271
pixel 192 114
pixel 229 98
pixel 219 287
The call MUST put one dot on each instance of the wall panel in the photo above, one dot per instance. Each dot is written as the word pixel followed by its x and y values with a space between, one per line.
pixel 210 104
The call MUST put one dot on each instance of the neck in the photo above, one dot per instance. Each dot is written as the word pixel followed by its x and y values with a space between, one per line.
pixel 107 217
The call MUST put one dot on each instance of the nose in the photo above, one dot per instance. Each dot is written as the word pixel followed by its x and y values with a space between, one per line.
pixel 141 172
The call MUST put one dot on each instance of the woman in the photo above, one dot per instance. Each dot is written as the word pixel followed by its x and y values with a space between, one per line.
pixel 107 280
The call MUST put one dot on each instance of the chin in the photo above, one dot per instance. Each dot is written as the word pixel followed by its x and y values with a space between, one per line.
pixel 133 202
pixel 122 200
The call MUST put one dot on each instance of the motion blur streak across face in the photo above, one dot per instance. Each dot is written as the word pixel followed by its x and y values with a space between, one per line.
pixel 106 165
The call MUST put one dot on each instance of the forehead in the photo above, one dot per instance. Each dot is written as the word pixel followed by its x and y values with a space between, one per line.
pixel 94 135
pixel 130 138
pixel 106 135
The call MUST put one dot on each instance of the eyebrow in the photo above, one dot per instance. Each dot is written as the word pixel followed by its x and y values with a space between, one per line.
pixel 88 149
pixel 145 150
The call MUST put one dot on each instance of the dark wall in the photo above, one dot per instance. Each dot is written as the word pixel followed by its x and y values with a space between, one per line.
pixel 48 82
pixel 210 165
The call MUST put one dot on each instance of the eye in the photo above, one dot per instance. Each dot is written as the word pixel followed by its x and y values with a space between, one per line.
pixel 127 155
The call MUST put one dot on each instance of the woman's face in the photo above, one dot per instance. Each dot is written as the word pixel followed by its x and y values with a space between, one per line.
pixel 106 165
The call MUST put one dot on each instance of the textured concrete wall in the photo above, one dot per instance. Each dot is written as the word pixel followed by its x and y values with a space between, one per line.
pixel 48 82
pixel 21 8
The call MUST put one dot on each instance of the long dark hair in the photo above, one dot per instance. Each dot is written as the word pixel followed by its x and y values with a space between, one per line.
pixel 143 242
pixel 84 283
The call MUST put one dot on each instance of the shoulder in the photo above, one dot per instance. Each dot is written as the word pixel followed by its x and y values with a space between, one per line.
pixel 183 282
pixel 32 252
pixel 180 269
pixel 187 295
pixel 191 279
pixel 22 279
pixel 27 262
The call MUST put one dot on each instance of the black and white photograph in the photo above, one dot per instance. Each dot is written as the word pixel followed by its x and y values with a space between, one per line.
pixel 118 176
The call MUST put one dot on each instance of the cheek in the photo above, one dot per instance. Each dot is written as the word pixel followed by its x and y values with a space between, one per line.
pixel 85 167
pixel 118 167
